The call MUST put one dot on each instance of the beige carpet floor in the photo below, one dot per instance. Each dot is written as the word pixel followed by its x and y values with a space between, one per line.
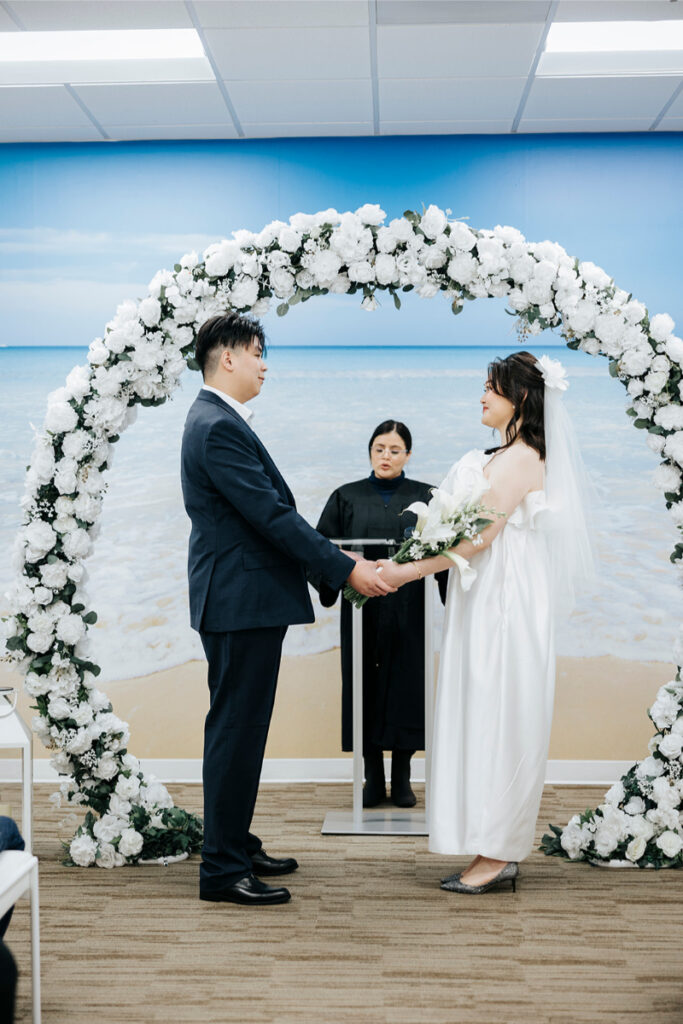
pixel 368 938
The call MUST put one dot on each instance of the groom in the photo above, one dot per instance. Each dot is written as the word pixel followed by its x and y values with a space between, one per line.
pixel 248 555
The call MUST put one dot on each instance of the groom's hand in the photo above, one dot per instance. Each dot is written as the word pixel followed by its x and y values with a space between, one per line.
pixel 366 580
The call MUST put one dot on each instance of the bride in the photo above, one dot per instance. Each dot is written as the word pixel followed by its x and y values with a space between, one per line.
pixel 497 668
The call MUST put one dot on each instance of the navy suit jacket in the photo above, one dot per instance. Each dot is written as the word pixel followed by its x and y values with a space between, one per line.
pixel 249 547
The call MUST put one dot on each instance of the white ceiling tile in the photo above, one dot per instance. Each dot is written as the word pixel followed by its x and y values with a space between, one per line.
pixel 51 133
pixel 280 13
pixel 128 132
pixel 448 99
pixel 444 127
pixel 618 10
pixel 337 100
pixel 653 62
pixel 442 51
pixel 670 124
pixel 105 71
pixel 55 15
pixel 591 98
pixel 35 107
pixel 607 124
pixel 449 12
pixel 306 130
pixel 289 53
pixel 676 108
pixel 178 103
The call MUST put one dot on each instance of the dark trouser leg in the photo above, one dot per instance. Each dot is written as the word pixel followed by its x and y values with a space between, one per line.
pixel 10 839
pixel 401 792
pixel 243 669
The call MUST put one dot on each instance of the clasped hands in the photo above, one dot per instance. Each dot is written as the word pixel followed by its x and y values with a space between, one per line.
pixel 376 579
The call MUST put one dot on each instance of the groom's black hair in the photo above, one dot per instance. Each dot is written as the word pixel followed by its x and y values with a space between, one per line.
pixel 229 330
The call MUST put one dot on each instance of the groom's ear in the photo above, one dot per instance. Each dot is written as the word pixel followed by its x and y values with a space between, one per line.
pixel 225 360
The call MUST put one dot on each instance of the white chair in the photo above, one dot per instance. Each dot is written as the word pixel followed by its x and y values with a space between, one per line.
pixel 15 733
pixel 19 877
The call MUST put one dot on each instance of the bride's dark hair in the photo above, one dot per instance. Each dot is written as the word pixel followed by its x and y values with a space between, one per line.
pixel 518 379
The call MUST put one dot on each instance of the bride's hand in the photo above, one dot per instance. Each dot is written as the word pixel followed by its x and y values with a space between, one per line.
pixel 393 574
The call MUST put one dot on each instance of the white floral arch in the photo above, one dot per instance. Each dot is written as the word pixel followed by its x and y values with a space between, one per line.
pixel 145 349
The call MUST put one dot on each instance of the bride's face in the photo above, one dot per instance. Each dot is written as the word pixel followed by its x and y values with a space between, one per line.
pixel 497 411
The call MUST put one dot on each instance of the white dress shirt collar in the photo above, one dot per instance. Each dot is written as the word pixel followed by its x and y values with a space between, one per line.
pixel 246 414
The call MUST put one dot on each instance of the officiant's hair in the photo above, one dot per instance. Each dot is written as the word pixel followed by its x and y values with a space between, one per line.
pixel 229 330
pixel 387 427
pixel 518 379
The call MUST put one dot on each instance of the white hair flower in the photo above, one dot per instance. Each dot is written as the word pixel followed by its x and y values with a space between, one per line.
pixel 554 373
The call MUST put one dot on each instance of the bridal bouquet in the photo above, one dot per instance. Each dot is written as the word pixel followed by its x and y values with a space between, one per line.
pixel 450 516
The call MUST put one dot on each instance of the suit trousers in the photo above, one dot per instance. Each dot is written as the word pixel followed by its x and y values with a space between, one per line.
pixel 243 671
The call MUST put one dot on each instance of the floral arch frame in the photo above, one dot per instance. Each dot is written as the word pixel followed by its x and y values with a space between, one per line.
pixel 130 816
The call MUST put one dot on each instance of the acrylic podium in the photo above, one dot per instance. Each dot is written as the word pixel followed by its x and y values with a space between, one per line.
pixel 376 820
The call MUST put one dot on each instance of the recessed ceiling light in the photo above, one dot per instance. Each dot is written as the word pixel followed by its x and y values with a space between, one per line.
pixel 614 36
pixel 118 44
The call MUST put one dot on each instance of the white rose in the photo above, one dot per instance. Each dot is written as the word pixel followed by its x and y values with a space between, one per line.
pixel 40 538
pixel 340 285
pixel 594 275
pixel 149 311
pixel 671 745
pixel 460 236
pixel 43 460
pixel 371 213
pixel 289 239
pixel 36 685
pixel 673 447
pixel 75 444
pixel 361 271
pixel 38 622
pixel 244 293
pixel 83 850
pixel 305 279
pixel 221 257
pixel 107 767
pixel 369 303
pixel 80 742
pixel 39 643
pixel 76 544
pixel 636 805
pixel 106 856
pixel 661 326
pixel 119 807
pixel 674 350
pixel 59 709
pixel 128 788
pixel 462 268
pixel 636 848
pixel 78 382
pixel 87 508
pixel 325 266
pixel 634 311
pixel 83 714
pixel 605 840
pixel 572 841
pixel 108 413
pixel 130 843
pixel 650 767
pixel 433 221
pixel 109 827
pixel 615 794
pixel 655 381
pixel 667 478
pixel 282 282
pixel 670 843
pixel 670 417
pixel 387 240
pixel 155 795
pixel 98 700
pixel 65 476
pixel 98 353
pixel 582 318
pixel 636 361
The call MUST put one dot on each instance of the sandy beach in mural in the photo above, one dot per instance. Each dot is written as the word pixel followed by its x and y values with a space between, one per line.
pixel 600 708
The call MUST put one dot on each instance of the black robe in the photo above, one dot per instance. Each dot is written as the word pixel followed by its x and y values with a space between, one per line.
pixel 393 632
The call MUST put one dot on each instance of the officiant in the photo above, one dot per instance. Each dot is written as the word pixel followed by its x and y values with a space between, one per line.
pixel 393 635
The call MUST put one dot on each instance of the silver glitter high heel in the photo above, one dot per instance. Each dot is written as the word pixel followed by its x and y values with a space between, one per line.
pixel 507 874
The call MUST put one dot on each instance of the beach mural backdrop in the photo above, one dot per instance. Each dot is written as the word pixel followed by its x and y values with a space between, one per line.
pixel 85 227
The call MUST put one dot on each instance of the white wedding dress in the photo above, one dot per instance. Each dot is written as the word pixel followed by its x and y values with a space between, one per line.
pixel 495 691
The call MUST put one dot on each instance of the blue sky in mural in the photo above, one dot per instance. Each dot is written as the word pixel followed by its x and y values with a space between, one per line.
pixel 84 226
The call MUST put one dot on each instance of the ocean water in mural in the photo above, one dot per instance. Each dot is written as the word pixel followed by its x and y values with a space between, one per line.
pixel 315 414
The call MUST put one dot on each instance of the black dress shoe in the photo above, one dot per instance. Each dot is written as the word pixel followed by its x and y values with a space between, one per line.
pixel 249 891
pixel 401 792
pixel 374 790
pixel 265 865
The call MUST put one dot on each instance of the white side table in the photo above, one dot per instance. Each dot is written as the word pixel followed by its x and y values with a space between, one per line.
pixel 19 877
pixel 14 733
